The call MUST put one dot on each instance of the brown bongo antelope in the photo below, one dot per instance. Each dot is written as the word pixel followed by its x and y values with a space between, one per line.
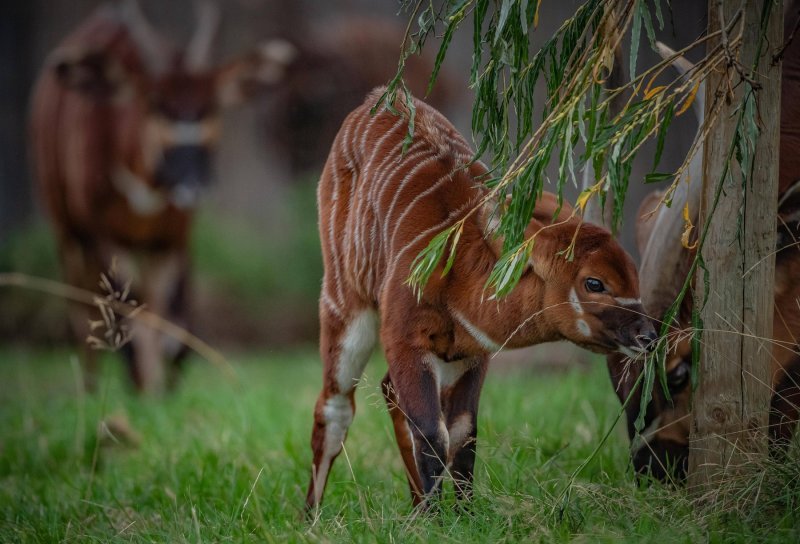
pixel 663 448
pixel 378 207
pixel 123 126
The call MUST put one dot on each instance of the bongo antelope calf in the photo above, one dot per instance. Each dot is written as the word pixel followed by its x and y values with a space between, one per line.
pixel 378 208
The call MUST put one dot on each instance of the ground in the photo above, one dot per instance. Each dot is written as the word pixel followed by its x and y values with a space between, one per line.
pixel 227 459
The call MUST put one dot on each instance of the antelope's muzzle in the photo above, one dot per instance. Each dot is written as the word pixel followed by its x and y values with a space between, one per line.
pixel 663 460
pixel 639 336
pixel 184 171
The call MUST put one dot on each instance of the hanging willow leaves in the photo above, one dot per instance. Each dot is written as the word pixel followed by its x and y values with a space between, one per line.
pixel 570 66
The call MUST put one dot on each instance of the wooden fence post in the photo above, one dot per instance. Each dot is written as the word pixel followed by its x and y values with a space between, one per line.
pixel 731 403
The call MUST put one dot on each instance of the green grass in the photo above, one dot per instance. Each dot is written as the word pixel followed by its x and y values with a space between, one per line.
pixel 229 461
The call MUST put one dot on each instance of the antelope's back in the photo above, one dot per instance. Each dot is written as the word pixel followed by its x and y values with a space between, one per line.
pixel 71 132
pixel 379 206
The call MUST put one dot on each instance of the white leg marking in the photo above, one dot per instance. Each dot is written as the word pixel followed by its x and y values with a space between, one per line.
pixel 447 374
pixel 338 416
pixel 483 339
pixel 460 430
pixel 413 447
pixel 357 345
pixel 573 300
pixel 444 437
pixel 583 327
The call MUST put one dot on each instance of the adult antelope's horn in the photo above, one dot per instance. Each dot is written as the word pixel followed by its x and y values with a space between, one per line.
pixel 664 260
pixel 198 52
pixel 155 52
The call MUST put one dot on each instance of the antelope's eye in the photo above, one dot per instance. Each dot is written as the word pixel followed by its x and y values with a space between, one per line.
pixel 678 376
pixel 594 285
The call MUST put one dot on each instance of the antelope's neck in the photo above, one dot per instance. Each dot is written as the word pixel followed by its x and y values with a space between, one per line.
pixel 511 322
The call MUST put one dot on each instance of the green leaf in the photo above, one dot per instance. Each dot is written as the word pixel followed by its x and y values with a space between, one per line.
pixel 647 393
pixel 655 177
pixel 666 121
pixel 636 30
pixel 505 11
pixel 427 260
pixel 508 270
pixel 648 24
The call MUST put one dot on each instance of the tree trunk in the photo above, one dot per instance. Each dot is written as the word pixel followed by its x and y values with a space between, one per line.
pixel 731 403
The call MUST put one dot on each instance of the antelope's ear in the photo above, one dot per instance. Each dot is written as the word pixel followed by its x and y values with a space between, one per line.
pixel 87 71
pixel 488 223
pixel 262 68
pixel 543 256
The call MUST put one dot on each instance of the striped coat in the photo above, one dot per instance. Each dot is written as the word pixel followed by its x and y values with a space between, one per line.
pixel 378 208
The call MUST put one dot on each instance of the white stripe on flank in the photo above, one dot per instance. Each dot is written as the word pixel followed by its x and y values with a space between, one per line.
pixel 363 271
pixel 384 174
pixel 398 190
pixel 627 301
pixel 330 304
pixel 576 304
pixel 350 240
pixel 335 260
pixel 392 268
pixel 387 177
pixel 420 196
pixel 483 339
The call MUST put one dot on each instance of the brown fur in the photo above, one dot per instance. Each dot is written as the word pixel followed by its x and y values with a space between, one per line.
pixel 378 209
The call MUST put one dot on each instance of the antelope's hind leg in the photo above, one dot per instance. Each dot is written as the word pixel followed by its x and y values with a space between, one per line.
pixel 345 346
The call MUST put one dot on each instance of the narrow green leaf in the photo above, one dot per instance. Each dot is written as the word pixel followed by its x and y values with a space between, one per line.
pixel 655 177
pixel 647 393
pixel 505 11
pixel 665 122
pixel 636 30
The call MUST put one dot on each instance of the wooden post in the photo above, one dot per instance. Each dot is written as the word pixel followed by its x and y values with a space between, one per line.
pixel 731 403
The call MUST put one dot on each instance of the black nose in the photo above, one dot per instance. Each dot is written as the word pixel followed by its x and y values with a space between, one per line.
pixel 647 337
pixel 650 340
pixel 188 165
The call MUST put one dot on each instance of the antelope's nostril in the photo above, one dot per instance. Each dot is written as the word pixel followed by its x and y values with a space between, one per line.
pixel 652 338
pixel 648 340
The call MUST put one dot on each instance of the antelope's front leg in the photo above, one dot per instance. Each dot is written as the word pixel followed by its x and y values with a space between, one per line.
pixel 412 393
pixel 460 406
